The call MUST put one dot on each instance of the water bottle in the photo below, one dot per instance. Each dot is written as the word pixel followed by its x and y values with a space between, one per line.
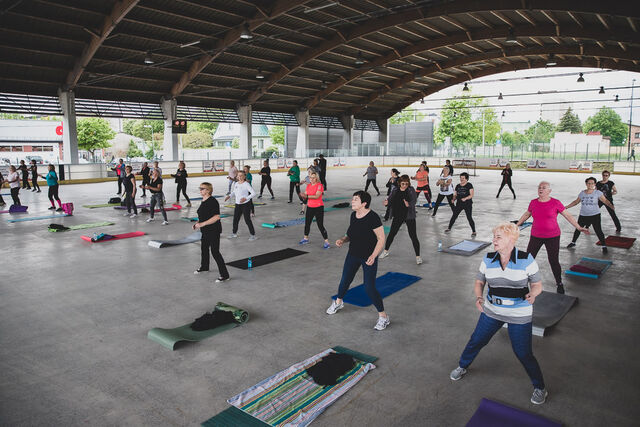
pixel 439 246
pixel 249 263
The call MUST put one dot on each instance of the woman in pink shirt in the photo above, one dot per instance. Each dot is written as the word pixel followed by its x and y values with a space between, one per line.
pixel 545 229
pixel 315 208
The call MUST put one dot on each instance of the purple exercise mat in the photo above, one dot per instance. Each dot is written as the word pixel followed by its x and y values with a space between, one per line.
pixel 494 414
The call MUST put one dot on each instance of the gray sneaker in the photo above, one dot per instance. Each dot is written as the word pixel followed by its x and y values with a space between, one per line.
pixel 252 238
pixel 232 236
pixel 382 323
pixel 457 373
pixel 539 396
pixel 333 308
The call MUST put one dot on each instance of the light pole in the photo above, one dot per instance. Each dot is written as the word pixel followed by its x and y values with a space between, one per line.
pixel 630 117
pixel 152 146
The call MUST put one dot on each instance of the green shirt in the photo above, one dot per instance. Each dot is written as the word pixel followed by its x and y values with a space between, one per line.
pixel 295 174
pixel 249 177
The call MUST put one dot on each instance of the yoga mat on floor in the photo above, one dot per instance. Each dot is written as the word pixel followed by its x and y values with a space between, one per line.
pixel 144 205
pixel 619 242
pixel 491 413
pixel 103 205
pixel 83 226
pixel 591 267
pixel 548 309
pixel 291 397
pixel 170 337
pixel 387 284
pixel 16 212
pixel 330 199
pixel 36 218
pixel 191 238
pixel 268 258
pixel 467 247
pixel 116 236
pixel 195 218
pixel 432 204
pixel 254 204
pixel 172 208
pixel 287 223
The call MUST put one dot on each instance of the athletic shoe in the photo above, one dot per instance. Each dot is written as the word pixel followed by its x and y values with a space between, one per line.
pixel 430 207
pixel 59 210
pixel 560 288
pixel 604 250
pixel 260 196
pixel 384 254
pixel 289 201
pixel 571 245
pixel 474 234
pixel 433 215
pixel 200 270
pixel 326 245
pixel 52 208
pixel 165 222
pixel 126 214
pixel 333 308
pixel 38 191
pixel 232 236
pixel 382 323
pixel 618 230
pixel 252 238
pixel 133 215
pixel 150 219
pixel 539 396
pixel 273 198
pixel 447 230
pixel 301 212
pixel 418 260
pixel 222 279
pixel 457 373
pixel 303 241
pixel 189 204
pixel 33 190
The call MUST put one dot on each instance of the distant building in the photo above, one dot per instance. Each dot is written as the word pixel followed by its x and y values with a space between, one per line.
pixel 569 142
pixel 554 112
pixel 635 135
pixel 519 127
pixel 20 139
pixel 227 133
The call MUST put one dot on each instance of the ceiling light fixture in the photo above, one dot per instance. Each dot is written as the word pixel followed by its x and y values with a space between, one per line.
pixel 465 88
pixel 259 75
pixel 581 79
pixel 601 91
pixel 324 6
pixel 500 96
pixel 246 33
pixel 323 85
pixel 359 58
pixel 148 59
pixel 190 44
pixel 511 38
pixel 552 60
pixel 616 100
pixel 422 101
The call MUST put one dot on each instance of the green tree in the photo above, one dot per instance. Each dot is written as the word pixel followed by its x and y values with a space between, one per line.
pixel 277 135
pixel 540 132
pixel 235 143
pixel 152 149
pixel 569 122
pixel 608 123
pixel 405 116
pixel 133 150
pixel 197 140
pixel 456 121
pixel 207 127
pixel 142 128
pixel 94 134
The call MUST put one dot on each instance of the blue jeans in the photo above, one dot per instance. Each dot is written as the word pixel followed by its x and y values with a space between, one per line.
pixel 351 266
pixel 520 336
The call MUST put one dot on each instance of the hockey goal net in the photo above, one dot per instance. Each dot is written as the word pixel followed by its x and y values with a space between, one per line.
pixel 464 165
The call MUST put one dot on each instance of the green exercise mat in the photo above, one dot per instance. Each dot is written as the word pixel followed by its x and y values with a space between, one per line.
pixel 83 226
pixel 104 205
pixel 170 337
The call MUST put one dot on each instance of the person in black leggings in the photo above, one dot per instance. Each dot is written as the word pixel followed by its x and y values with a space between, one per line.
pixel 371 173
pixel 265 174
pixel 146 179
pixel 14 184
pixel 391 185
pixel 129 183
pixel 315 209
pixel 609 190
pixel 25 175
pixel 52 183
pixel 181 181
pixel 2 203
pixel 446 190
pixel 463 195
pixel 34 176
pixel 403 204
pixel 507 173
pixel 210 227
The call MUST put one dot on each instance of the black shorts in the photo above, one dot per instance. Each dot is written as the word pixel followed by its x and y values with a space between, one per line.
pixel 423 188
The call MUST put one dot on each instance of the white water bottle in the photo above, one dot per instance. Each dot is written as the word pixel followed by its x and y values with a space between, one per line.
pixel 439 245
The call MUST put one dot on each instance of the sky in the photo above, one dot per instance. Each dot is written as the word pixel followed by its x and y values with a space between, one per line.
pixel 614 82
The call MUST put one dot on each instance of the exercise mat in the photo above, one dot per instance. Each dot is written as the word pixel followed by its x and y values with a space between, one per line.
pixel 387 284
pixel 36 218
pixel 330 199
pixel 589 267
pixel 170 337
pixel 268 258
pixel 144 205
pixel 291 397
pixel 12 210
pixel 195 218
pixel 254 204
pixel 467 247
pixel 548 309
pixel 83 226
pixel 116 237
pixel 619 242
pixel 169 209
pixel 103 205
pixel 287 223
pixel 526 224
pixel 191 238
pixel 491 413
pixel 430 205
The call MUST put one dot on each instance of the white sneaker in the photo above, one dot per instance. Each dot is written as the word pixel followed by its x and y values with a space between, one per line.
pixel 384 254
pixel 126 214
pixel 457 373
pixel 165 222
pixel 418 260
pixel 252 238
pixel 333 308
pixel 222 279
pixel 382 323
pixel 133 215
pixel 150 219
pixel 232 236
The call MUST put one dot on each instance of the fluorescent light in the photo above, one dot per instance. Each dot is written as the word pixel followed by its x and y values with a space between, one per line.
pixel 581 79
pixel 601 91
pixel 148 59
pixel 511 38
pixel 552 60
pixel 190 44
pixel 465 88
pixel 246 33
pixel 259 75
pixel 324 6
pixel 359 59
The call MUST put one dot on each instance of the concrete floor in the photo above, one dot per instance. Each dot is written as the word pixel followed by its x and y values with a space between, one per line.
pixel 74 317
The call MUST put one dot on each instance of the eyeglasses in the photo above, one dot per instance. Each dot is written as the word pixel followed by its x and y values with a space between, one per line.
pixel 201 188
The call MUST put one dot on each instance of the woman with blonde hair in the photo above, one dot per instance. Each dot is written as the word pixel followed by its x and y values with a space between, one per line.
pixel 209 224
pixel 514 282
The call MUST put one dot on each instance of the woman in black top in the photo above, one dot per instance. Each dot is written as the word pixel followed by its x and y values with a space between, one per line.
pixel 129 183
pixel 145 172
pixel 366 235
pixel 403 202
pixel 608 188
pixel 463 195
pixel 25 175
pixel 34 176
pixel 157 196
pixel 209 224
pixel 265 173
pixel 181 180
pixel 507 173
pixel 2 202
pixel 391 185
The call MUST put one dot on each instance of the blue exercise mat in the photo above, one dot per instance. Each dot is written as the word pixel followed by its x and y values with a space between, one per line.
pixel 386 284
pixel 34 218
pixel 491 413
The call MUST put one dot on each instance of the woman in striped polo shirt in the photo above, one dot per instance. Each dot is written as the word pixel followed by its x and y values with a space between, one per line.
pixel 508 273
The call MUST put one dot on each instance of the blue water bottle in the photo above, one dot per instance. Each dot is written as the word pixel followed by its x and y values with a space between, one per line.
pixel 439 246
pixel 249 263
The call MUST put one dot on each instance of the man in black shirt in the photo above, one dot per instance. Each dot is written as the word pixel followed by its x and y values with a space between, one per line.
pixel 608 188
pixel 265 174
pixel 146 179
pixel 463 196
pixel 323 171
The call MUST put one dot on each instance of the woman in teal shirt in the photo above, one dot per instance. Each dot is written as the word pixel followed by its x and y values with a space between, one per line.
pixel 294 179
pixel 52 182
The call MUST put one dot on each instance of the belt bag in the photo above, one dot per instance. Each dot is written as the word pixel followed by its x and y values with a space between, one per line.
pixel 507 302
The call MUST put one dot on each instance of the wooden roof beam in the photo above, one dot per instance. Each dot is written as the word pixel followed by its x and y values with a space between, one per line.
pixel 632 24
pixel 524 15
pixel 604 21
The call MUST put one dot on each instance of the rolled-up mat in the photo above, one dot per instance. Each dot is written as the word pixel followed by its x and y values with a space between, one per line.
pixel 268 258
pixel 466 247
pixel 619 242
pixel 116 236
pixel 13 209
pixel 548 309
pixel 36 218
pixel 170 337
pixel 195 218
pixel 491 413
pixel 589 267
pixel 83 226
pixel 387 284
pixel 103 205
pixel 144 205
pixel 191 238
pixel 526 224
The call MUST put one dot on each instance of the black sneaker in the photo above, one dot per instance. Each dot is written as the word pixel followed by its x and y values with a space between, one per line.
pixel 560 288
pixel 52 208
pixel 200 270
pixel 604 250
pixel 59 210
pixel 289 201
pixel 571 245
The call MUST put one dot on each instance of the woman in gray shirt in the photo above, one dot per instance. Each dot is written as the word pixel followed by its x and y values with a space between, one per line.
pixel 590 211
pixel 371 173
